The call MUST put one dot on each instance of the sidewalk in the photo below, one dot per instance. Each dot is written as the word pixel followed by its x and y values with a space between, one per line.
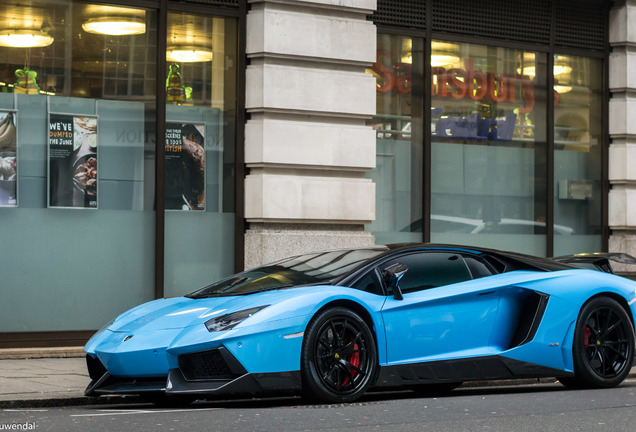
pixel 58 377
pixel 46 377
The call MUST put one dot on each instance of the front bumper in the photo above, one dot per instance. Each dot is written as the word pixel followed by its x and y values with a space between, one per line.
pixel 206 373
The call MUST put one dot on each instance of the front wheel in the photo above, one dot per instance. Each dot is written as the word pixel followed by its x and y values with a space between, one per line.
pixel 603 348
pixel 339 356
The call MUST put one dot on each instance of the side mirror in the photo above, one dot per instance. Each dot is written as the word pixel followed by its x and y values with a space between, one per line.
pixel 392 275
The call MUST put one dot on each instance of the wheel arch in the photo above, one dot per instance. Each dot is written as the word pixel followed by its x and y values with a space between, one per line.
pixel 355 307
pixel 366 316
pixel 618 298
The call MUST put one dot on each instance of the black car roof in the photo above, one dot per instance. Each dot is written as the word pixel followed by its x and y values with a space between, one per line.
pixel 511 259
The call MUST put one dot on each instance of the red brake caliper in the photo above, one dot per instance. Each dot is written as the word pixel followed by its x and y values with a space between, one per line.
pixel 354 360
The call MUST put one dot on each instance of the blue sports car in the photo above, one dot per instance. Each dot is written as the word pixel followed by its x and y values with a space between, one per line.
pixel 332 325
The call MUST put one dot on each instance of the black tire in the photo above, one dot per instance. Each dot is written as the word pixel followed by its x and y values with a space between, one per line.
pixel 339 357
pixel 603 347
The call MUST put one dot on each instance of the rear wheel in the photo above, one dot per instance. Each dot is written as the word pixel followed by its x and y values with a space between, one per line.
pixel 603 348
pixel 339 356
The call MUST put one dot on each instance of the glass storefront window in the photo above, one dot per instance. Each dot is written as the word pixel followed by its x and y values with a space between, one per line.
pixel 577 153
pixel 398 123
pixel 78 224
pixel 488 141
pixel 200 147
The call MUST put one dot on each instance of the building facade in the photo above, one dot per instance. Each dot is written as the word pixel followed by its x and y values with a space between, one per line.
pixel 150 147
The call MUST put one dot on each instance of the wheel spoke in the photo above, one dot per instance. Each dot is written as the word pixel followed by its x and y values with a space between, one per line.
pixel 343 367
pixel 355 368
pixel 345 349
pixel 329 372
pixel 594 324
pixel 612 327
pixel 615 351
pixel 341 336
pixel 325 344
pixel 605 329
pixel 332 324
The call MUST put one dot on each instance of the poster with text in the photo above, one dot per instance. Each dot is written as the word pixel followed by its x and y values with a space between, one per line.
pixel 8 159
pixel 185 166
pixel 72 161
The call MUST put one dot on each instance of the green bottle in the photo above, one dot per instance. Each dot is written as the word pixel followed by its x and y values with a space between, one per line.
pixel 175 93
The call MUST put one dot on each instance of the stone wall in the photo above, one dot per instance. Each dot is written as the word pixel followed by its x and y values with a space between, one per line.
pixel 307 148
pixel 622 130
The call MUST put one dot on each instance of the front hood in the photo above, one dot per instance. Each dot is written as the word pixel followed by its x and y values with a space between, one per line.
pixel 182 312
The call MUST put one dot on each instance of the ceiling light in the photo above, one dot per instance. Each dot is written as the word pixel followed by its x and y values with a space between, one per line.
pixel 25 38
pixel 188 54
pixel 115 26
pixel 561 68
pixel 443 59
pixel 562 88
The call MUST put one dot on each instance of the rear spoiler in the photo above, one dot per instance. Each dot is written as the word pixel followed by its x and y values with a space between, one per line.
pixel 600 260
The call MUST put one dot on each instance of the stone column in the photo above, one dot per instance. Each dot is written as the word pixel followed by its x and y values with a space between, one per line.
pixel 622 129
pixel 307 148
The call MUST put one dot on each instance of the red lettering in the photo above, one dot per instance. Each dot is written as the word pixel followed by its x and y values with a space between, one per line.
pixel 387 79
pixel 403 81
pixel 440 73
pixel 459 83
pixel 458 86
pixel 511 81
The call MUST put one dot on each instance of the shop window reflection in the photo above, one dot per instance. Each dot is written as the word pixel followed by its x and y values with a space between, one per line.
pixel 488 146
pixel 398 124
pixel 96 88
pixel 577 152
pixel 200 80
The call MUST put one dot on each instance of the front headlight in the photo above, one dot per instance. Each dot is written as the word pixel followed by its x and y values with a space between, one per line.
pixel 229 321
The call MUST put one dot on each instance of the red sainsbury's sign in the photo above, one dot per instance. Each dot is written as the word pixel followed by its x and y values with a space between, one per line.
pixel 458 83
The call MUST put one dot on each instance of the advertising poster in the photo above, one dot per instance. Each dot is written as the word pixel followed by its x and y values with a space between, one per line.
pixel 8 159
pixel 72 161
pixel 185 166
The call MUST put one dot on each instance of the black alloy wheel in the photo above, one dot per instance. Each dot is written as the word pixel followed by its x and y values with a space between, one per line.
pixel 339 357
pixel 603 349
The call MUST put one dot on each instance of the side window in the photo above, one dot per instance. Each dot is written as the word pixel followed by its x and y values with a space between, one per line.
pixel 430 270
pixel 477 268
pixel 369 283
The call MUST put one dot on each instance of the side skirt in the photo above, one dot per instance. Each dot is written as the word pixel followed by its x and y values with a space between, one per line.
pixel 469 369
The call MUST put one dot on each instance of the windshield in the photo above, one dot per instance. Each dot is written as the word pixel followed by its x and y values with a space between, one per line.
pixel 310 269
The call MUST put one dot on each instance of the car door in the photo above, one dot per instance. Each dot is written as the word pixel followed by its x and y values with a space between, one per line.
pixel 445 312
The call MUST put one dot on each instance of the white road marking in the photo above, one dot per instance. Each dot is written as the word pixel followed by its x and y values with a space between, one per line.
pixel 128 412
pixel 25 410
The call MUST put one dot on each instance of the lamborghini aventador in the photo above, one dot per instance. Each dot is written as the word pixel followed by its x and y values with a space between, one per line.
pixel 334 324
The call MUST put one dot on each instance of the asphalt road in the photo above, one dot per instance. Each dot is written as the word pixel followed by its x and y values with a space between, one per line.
pixel 539 407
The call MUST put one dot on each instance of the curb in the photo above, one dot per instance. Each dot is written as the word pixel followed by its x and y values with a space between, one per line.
pixel 35 353
pixel 134 399
pixel 70 401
